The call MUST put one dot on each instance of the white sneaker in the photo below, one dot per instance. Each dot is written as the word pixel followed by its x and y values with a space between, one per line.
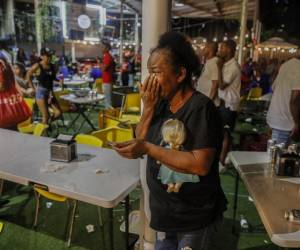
pixel 222 168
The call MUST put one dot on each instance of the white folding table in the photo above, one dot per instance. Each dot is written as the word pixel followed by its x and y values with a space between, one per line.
pixel 22 157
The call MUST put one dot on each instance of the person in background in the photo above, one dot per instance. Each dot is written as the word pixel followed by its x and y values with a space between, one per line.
pixel 5 52
pixel 46 74
pixel 22 85
pixel 13 108
pixel 207 84
pixel 21 56
pixel 229 82
pixel 33 58
pixel 190 218
pixel 131 69
pixel 125 71
pixel 246 74
pixel 261 79
pixel 283 115
pixel 108 65
pixel 272 69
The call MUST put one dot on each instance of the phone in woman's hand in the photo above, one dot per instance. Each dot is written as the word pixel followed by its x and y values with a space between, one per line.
pixel 111 144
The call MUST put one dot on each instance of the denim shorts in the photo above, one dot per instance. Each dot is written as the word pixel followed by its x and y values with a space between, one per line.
pixel 194 240
pixel 281 136
pixel 42 93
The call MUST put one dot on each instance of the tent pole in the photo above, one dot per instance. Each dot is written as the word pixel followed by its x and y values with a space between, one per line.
pixel 243 28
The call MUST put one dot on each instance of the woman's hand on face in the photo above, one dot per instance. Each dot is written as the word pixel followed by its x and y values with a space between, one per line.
pixel 149 91
pixel 131 149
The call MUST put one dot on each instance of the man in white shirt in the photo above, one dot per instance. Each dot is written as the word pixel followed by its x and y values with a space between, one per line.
pixel 229 82
pixel 208 81
pixel 284 112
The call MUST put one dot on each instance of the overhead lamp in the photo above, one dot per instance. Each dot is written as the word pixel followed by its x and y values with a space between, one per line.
pixel 93 6
pixel 179 4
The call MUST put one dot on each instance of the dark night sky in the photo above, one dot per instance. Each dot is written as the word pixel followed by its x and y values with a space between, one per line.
pixel 281 17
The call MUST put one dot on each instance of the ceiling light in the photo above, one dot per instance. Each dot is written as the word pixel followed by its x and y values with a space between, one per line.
pixel 179 4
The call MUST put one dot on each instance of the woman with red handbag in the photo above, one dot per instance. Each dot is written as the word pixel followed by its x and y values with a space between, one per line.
pixel 13 108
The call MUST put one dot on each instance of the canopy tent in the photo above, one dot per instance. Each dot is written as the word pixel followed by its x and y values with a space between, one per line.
pixel 276 42
pixel 275 47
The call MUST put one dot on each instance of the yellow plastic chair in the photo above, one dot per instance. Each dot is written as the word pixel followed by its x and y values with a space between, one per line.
pixel 41 191
pixel 37 129
pixel 98 85
pixel 130 119
pixel 131 104
pixel 108 121
pixel 40 129
pixel 30 102
pixel 114 134
pixel 88 140
pixel 131 109
pixel 254 93
pixel 104 115
pixel 63 104
pixel 26 126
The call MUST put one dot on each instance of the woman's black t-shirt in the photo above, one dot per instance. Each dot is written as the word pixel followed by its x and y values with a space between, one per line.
pixel 46 76
pixel 196 205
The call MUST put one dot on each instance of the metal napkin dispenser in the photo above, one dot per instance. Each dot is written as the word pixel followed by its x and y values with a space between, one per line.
pixel 63 149
pixel 288 164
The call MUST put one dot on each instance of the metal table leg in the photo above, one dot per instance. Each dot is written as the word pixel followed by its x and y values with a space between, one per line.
pixel 111 227
pixel 237 179
pixel 72 223
pixel 88 120
pixel 74 121
pixel 127 222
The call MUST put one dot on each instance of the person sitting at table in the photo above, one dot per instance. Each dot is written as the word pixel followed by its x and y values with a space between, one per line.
pixel 46 74
pixel 22 85
pixel 187 219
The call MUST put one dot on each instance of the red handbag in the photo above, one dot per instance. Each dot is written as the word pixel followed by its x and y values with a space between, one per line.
pixel 13 108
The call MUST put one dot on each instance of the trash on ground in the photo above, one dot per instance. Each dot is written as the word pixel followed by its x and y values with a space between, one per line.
pixel 90 228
